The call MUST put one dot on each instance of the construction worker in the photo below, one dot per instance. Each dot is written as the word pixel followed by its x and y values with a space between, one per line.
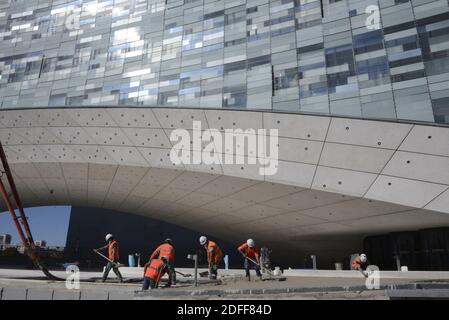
pixel 214 255
pixel 167 250
pixel 360 263
pixel 153 271
pixel 113 256
pixel 251 253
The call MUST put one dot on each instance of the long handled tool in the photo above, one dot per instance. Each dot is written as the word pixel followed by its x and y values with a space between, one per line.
pixel 260 266
pixel 187 275
pixel 115 264
pixel 364 273
pixel 271 274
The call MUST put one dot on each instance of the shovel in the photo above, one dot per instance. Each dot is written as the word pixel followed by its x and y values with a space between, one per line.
pixel 115 264
pixel 184 274
pixel 262 267
pixel 272 276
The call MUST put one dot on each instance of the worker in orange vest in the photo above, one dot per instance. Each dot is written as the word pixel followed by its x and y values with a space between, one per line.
pixel 360 263
pixel 113 256
pixel 214 255
pixel 167 250
pixel 251 253
pixel 153 271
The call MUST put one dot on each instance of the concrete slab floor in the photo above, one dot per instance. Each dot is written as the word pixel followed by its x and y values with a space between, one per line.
pixel 30 284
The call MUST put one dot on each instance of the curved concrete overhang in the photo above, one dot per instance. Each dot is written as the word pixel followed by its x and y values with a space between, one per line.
pixel 338 179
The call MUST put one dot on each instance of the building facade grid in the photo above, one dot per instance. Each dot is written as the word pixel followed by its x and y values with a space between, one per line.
pixel 285 55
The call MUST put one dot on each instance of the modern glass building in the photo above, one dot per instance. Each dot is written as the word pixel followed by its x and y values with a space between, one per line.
pixel 358 91
pixel 291 55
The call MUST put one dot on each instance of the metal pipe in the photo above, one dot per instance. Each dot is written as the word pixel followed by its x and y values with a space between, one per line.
pixel 194 257
pixel 16 196
pixel 196 270
pixel 27 238
pixel 12 212
pixel 313 257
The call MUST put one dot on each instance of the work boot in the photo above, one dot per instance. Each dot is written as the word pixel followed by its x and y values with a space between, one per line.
pixel 119 276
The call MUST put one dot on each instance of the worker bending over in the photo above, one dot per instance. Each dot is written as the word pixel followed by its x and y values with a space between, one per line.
pixel 113 256
pixel 167 250
pixel 360 263
pixel 153 271
pixel 214 255
pixel 251 253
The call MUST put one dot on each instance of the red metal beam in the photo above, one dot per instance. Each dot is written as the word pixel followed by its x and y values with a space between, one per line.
pixel 25 236
pixel 12 185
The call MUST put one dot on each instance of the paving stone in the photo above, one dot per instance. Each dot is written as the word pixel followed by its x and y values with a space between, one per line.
pixel 40 294
pixel 11 293
pixel 117 295
pixel 66 295
pixel 94 295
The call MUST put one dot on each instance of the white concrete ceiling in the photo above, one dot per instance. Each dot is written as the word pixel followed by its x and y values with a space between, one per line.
pixel 336 177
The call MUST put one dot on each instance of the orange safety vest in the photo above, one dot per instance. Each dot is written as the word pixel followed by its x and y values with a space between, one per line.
pixel 356 263
pixel 113 254
pixel 164 250
pixel 155 270
pixel 250 252
pixel 216 253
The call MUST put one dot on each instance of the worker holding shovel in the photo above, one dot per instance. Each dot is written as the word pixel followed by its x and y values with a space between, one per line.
pixel 167 250
pixel 214 254
pixel 113 257
pixel 251 253
pixel 153 271
pixel 360 263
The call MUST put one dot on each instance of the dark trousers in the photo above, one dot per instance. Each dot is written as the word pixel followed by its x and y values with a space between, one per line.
pixel 213 270
pixel 112 266
pixel 148 283
pixel 171 273
pixel 251 265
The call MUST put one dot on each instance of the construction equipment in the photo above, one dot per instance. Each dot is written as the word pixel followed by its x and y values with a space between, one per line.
pixel 260 266
pixel 204 274
pixel 115 264
pixel 187 275
pixel 271 274
pixel 265 258
pixel 20 221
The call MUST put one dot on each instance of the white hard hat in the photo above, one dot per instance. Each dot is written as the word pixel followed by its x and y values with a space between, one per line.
pixel 250 243
pixel 203 240
pixel 108 236
pixel 363 258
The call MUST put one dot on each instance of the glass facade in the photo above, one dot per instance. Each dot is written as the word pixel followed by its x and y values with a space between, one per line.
pixel 289 55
